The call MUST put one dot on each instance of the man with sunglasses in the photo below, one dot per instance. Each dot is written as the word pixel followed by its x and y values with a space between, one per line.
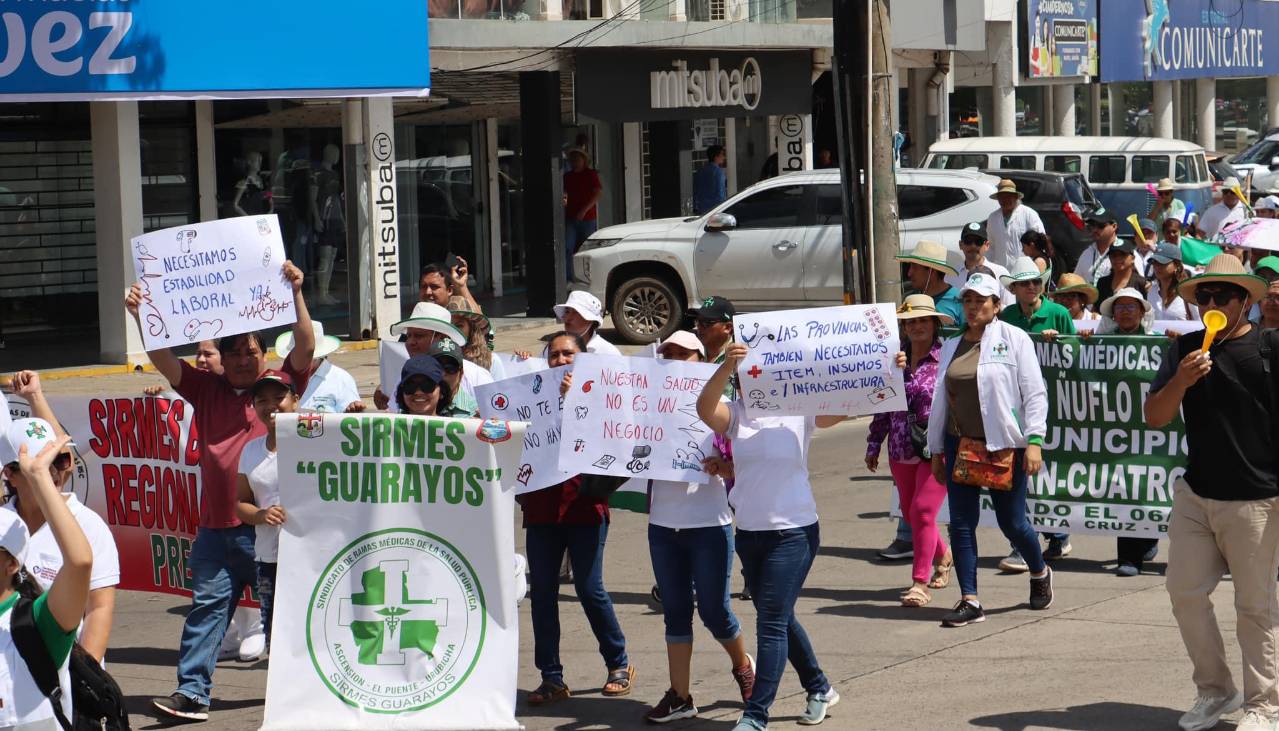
pixel 713 322
pixel 1094 262
pixel 1225 514
pixel 974 244
pixel 1230 210
pixel 1166 205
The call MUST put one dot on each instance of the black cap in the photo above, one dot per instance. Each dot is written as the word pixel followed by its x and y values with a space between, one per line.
pixel 976 228
pixel 1125 246
pixel 714 308
pixel 422 365
pixel 1101 215
pixel 445 348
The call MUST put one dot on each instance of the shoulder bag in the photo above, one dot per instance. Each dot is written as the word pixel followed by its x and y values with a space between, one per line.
pixel 976 466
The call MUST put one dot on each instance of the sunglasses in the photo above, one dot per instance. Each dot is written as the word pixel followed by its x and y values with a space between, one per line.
pixel 1126 307
pixel 1221 297
pixel 425 385
pixel 974 241
pixel 1098 224
pixel 706 322
pixel 449 367
pixel 62 462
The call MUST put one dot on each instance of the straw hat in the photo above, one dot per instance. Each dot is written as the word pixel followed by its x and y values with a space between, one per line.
pixel 429 316
pixel 325 345
pixel 1108 307
pixel 929 254
pixel 1074 284
pixel 1225 269
pixel 459 312
pixel 921 305
pixel 1164 184
pixel 1026 270
pixel 1006 186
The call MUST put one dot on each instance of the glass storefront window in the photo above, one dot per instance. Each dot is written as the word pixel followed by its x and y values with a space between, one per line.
pixel 483 9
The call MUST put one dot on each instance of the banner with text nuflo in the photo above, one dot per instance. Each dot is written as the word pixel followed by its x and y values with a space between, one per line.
pixel 837 361
pixel 1104 470
pixel 213 279
pixel 534 398
pixel 635 417
pixel 137 465
pixel 395 600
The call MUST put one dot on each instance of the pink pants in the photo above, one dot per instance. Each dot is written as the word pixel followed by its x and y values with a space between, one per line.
pixel 921 496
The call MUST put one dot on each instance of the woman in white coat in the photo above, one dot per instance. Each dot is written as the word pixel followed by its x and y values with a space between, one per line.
pixel 990 411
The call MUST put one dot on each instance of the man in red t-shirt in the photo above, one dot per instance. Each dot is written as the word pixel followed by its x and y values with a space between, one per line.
pixel 221 560
pixel 582 190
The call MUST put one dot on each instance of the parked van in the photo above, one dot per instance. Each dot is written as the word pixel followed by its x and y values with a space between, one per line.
pixel 1118 169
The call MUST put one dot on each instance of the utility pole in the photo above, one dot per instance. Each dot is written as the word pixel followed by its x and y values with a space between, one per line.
pixel 886 242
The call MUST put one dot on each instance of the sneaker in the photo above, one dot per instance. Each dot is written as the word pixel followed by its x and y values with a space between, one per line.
pixel 1041 590
pixel 181 707
pixel 898 550
pixel 252 647
pixel 1208 710
pixel 746 724
pixel 745 678
pixel 1254 720
pixel 1126 568
pixel 671 708
pixel 230 648
pixel 964 613
pixel 1150 554
pixel 1014 563
pixel 746 594
pixel 1057 548
pixel 818 705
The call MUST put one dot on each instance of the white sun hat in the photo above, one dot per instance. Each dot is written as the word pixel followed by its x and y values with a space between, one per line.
pixel 325 345
pixel 430 316
pixel 585 304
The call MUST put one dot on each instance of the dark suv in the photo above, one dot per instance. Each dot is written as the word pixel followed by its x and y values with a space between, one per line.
pixel 1063 201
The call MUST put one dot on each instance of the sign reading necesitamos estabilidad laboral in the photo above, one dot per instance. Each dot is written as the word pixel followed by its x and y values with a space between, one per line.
pixel 395 604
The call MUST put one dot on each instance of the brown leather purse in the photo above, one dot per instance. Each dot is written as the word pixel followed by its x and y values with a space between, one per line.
pixel 977 466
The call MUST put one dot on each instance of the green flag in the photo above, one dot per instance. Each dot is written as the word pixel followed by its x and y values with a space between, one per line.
pixel 1196 252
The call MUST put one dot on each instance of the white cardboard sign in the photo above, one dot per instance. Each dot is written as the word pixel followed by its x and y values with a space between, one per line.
pixel 210 280
pixel 635 417
pixel 836 361
pixel 535 398
pixel 516 366
pixel 391 357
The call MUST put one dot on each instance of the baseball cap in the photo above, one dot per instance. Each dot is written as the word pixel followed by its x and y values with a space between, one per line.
pixel 683 339
pixel 1123 246
pixel 445 349
pixel 34 433
pixel 1101 215
pixel 1146 224
pixel 983 284
pixel 973 230
pixel 1166 252
pixel 422 365
pixel 1268 262
pixel 714 308
pixel 14 535
pixel 1269 203
pixel 272 375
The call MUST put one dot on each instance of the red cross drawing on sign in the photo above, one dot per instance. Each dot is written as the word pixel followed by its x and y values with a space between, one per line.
pixel 754 371
pixel 311 420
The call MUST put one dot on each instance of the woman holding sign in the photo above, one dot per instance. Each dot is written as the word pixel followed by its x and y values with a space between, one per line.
pixel 989 417
pixel 777 538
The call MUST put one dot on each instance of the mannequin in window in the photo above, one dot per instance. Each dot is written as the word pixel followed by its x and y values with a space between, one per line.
pixel 251 196
pixel 330 223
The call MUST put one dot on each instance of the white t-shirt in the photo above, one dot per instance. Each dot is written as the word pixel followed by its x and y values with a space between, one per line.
pixel 685 505
pixel 600 346
pixel 330 390
pixel 1176 309
pixel 1093 265
pixel 770 459
pixel 44 558
pixel 1218 215
pixel 259 466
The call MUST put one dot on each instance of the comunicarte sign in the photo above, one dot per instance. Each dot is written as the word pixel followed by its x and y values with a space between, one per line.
pixel 55 51
pixel 682 88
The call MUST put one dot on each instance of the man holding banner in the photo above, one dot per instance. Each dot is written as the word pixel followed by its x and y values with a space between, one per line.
pixel 1225 515
pixel 221 560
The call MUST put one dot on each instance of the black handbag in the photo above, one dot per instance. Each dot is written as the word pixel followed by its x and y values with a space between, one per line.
pixel 918 437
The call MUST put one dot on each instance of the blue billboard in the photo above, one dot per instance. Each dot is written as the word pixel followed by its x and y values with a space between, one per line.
pixel 1144 40
pixel 1058 39
pixel 166 49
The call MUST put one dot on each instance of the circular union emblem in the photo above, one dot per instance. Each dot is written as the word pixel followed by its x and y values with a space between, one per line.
pixel 396 621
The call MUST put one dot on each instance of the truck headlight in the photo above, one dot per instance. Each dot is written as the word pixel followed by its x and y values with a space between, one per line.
pixel 590 244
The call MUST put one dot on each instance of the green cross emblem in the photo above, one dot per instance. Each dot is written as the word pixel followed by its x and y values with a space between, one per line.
pixel 708 302
pixel 384 620
pixel 35 430
pixel 1000 349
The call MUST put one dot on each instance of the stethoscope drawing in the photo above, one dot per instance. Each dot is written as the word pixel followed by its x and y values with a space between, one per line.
pixel 755 337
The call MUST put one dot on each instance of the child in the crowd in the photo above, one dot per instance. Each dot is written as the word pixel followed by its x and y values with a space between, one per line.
pixel 259 484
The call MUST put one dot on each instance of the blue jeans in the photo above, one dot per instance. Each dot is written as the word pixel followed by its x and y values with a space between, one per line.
pixel 903 531
pixel 266 595
pixel 776 562
pixel 545 546
pixel 575 232
pixel 688 559
pixel 221 564
pixel 1010 511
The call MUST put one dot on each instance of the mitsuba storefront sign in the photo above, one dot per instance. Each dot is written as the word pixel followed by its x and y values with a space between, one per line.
pixel 644 86
pixel 710 87
pixel 1187 39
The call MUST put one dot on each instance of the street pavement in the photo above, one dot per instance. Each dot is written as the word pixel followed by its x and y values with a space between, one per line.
pixel 1105 655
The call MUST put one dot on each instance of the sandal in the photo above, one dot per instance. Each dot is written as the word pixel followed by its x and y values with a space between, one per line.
pixel 548 692
pixel 941 572
pixel 619 682
pixel 916 597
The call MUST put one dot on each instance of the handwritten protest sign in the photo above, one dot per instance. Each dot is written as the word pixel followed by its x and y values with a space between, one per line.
pixel 513 365
pixel 821 361
pixel 635 417
pixel 209 280
pixel 535 398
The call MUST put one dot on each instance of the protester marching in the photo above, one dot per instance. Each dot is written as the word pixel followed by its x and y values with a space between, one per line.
pixel 371 534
